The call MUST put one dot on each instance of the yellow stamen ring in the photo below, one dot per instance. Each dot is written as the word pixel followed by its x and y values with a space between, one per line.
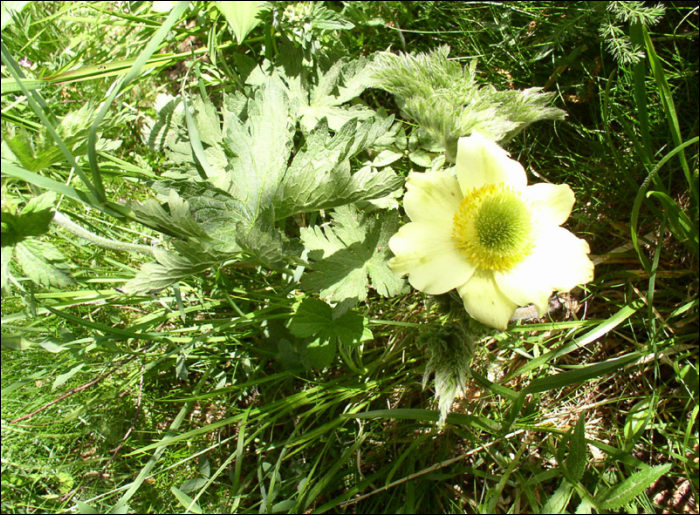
pixel 493 227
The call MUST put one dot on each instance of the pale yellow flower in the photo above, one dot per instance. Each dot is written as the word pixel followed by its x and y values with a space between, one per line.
pixel 488 234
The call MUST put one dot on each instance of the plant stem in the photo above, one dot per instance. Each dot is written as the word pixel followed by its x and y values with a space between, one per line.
pixel 106 243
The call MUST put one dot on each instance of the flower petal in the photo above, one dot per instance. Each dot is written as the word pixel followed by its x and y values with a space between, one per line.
pixel 550 203
pixel 485 302
pixel 427 254
pixel 573 264
pixel 481 161
pixel 558 262
pixel 431 197
pixel 528 283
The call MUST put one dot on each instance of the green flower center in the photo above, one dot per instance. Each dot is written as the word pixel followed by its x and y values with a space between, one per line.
pixel 493 227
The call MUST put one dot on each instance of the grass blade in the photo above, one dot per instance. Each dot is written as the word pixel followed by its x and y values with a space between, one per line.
pixel 581 374
pixel 143 58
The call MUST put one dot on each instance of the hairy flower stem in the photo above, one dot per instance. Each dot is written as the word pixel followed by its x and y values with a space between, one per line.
pixel 106 243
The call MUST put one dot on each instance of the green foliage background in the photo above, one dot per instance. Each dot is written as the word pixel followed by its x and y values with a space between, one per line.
pixel 185 187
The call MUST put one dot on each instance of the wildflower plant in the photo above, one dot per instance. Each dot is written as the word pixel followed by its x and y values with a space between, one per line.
pixel 300 259
pixel 238 174
pixel 477 227
pixel 497 241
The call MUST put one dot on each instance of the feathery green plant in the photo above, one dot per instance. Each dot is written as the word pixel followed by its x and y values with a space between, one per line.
pixel 446 100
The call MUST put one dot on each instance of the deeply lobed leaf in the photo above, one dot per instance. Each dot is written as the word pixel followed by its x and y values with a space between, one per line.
pixel 345 254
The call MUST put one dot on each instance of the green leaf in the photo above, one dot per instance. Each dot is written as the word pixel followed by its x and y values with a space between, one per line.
pixel 184 499
pixel 181 371
pixel 261 146
pixel 265 243
pixel 38 213
pixel 558 501
pixel 52 346
pixel 246 157
pixel 252 74
pixel 311 317
pixel 188 259
pixel 286 506
pixel 319 176
pixel 177 221
pixel 33 220
pixel 235 180
pixel 231 210
pixel 339 84
pixel 315 319
pixel 218 228
pixel 421 158
pixel 193 485
pixel 585 506
pixel 63 378
pixel 159 134
pixel 581 374
pixel 682 227
pixel 349 328
pixel 327 19
pixel 85 508
pixel 216 211
pixel 207 119
pixel 8 10
pixel 242 17
pixel 9 84
pixel 355 246
pixel 636 421
pixel 199 155
pixel 43 263
pixel 319 91
pixel 16 343
pixel 321 352
pixel 576 460
pixel 619 495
